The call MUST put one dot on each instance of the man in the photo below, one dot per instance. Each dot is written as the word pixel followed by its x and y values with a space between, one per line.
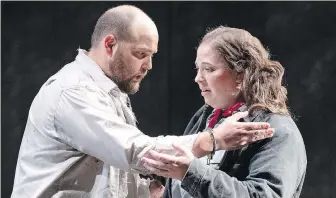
pixel 81 138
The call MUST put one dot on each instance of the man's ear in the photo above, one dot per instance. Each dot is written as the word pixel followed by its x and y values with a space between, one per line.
pixel 110 42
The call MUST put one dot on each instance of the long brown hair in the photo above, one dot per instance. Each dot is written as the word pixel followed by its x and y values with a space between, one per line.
pixel 261 77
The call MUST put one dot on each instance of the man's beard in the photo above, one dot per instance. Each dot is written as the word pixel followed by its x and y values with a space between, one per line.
pixel 118 67
pixel 126 86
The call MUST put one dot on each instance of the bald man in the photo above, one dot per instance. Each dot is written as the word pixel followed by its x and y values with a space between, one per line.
pixel 81 138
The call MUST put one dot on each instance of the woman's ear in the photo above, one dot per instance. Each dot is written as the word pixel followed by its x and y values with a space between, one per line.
pixel 239 81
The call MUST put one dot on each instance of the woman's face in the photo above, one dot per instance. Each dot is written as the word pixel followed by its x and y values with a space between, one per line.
pixel 218 84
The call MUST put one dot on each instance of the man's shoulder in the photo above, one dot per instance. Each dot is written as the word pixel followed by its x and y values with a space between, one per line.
pixel 69 76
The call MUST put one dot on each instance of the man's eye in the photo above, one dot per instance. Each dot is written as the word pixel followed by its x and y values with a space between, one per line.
pixel 142 54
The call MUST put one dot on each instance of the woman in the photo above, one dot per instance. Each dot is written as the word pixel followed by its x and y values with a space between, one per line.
pixel 234 74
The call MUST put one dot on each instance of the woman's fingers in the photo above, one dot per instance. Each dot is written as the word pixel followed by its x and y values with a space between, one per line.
pixel 155 170
pixel 165 158
pixel 154 164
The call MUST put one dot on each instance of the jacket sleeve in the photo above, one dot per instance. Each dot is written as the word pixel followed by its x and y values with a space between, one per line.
pixel 194 124
pixel 275 170
pixel 88 120
pixel 167 192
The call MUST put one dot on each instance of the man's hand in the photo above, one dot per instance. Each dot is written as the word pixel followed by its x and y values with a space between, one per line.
pixel 231 134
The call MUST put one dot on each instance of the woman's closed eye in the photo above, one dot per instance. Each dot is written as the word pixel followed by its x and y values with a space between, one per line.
pixel 209 69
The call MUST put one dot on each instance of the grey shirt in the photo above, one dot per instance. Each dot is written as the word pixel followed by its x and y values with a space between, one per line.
pixel 81 139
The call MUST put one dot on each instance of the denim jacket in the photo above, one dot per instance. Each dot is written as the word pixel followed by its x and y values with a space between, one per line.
pixel 274 167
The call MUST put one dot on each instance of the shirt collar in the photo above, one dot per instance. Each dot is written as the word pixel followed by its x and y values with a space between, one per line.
pixel 91 68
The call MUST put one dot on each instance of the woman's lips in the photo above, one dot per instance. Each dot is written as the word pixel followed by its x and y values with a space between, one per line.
pixel 204 92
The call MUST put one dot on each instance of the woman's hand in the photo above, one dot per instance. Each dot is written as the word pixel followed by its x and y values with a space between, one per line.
pixel 156 189
pixel 168 165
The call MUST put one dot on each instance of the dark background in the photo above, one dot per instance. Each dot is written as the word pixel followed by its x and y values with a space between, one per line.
pixel 38 38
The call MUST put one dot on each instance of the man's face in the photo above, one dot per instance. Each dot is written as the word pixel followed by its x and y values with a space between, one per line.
pixel 131 62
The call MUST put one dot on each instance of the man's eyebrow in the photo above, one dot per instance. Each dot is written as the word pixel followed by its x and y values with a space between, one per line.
pixel 145 49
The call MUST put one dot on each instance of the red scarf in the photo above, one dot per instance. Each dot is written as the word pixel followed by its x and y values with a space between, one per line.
pixel 228 112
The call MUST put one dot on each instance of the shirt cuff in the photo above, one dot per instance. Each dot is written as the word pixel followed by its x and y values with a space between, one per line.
pixel 193 177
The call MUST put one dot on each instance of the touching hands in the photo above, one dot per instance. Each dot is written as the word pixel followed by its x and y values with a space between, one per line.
pixel 168 165
pixel 229 135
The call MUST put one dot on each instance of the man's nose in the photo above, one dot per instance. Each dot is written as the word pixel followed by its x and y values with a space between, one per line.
pixel 147 64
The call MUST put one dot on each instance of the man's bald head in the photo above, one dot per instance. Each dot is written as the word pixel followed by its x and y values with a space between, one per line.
pixel 121 22
pixel 123 43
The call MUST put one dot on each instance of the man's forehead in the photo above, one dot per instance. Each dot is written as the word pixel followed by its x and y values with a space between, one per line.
pixel 147 42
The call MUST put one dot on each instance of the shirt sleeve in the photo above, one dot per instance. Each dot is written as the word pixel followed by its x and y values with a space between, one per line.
pixel 87 120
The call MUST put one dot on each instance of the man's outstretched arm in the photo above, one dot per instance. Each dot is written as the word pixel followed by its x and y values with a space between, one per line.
pixel 89 122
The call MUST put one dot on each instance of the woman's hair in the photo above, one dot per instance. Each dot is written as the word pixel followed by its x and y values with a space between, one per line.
pixel 246 57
